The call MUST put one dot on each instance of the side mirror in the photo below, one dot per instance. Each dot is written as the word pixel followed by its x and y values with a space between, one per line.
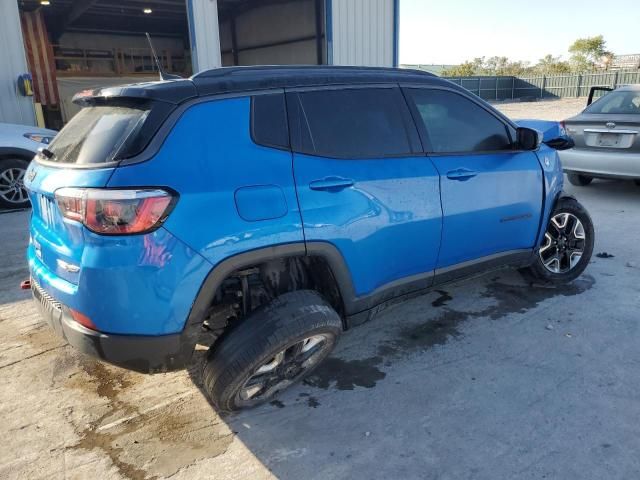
pixel 528 138
pixel 560 143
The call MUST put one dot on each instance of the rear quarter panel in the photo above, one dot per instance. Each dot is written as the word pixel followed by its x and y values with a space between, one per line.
pixel 210 160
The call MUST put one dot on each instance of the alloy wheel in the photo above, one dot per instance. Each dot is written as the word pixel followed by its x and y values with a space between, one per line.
pixel 564 243
pixel 283 369
pixel 12 188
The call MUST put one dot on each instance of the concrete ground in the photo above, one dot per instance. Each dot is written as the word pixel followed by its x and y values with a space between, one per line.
pixel 559 109
pixel 490 378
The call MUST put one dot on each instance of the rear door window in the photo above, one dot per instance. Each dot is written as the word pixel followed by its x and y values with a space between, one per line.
pixel 454 124
pixel 269 120
pixel 351 123
pixel 96 134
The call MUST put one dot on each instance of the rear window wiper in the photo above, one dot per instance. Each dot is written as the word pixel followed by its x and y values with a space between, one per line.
pixel 46 153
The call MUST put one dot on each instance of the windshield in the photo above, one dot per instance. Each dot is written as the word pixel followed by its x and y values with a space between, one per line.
pixel 95 134
pixel 617 102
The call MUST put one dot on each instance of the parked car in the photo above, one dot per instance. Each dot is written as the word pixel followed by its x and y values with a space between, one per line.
pixel 606 136
pixel 261 211
pixel 18 145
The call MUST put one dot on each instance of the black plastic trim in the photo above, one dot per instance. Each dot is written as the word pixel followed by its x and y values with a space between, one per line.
pixel 149 354
pixel 141 353
pixel 354 306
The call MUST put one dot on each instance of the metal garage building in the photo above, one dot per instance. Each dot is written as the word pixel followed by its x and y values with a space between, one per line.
pixel 69 45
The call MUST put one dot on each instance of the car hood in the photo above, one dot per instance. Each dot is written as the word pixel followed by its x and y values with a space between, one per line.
pixel 12 137
pixel 9 129
pixel 550 129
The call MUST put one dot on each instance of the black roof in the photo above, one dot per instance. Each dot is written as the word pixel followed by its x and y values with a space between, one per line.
pixel 238 79
pixel 233 79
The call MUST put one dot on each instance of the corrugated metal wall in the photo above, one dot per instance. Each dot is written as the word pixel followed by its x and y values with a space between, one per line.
pixel 13 108
pixel 363 32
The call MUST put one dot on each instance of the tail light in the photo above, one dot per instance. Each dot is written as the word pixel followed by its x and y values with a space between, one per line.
pixel 116 212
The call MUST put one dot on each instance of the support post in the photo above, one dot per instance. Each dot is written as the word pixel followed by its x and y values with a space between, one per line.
pixel 319 36
pixel 579 85
pixel 204 34
pixel 234 40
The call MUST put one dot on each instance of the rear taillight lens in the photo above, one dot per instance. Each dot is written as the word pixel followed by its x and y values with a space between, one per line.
pixel 116 212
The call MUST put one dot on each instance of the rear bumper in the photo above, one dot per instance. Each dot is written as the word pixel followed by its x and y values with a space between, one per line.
pixel 601 163
pixel 141 353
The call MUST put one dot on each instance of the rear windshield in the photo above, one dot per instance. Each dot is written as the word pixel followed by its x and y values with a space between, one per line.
pixel 619 102
pixel 96 134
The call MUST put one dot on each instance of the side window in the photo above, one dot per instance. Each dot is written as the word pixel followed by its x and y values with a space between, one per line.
pixel 269 120
pixel 351 123
pixel 455 124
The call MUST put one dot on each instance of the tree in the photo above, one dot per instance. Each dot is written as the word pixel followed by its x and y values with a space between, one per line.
pixel 587 53
pixel 549 65
pixel 466 69
pixel 489 66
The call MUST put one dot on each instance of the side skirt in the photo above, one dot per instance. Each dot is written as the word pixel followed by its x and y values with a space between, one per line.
pixel 386 296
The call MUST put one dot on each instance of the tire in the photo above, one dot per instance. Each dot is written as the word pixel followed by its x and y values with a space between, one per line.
pixel 266 340
pixel 579 180
pixel 554 271
pixel 12 191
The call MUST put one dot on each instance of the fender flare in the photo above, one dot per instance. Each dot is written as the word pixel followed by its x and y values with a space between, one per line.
pixel 22 153
pixel 562 194
pixel 222 270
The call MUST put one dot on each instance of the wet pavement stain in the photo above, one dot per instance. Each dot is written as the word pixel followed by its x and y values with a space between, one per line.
pixel 108 384
pixel 604 255
pixel 509 299
pixel 144 444
pixel 347 374
pixel 442 299
pixel 313 402
pixel 277 403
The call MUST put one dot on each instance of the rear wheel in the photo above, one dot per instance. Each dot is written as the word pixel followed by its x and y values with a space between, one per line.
pixel 567 245
pixel 271 349
pixel 13 193
pixel 579 180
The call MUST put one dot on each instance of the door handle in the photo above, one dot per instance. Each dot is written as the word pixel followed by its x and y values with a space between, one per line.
pixel 461 174
pixel 331 183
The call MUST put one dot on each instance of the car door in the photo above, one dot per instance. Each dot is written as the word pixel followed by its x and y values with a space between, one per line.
pixel 491 192
pixel 365 186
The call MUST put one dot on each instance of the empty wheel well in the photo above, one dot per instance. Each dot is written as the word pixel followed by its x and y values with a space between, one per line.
pixel 248 288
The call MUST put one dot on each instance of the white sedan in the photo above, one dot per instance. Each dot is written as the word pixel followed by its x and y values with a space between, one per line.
pixel 18 145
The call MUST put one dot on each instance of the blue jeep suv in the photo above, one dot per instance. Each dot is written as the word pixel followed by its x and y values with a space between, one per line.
pixel 261 211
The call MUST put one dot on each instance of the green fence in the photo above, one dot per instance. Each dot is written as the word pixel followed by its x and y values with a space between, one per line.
pixel 546 86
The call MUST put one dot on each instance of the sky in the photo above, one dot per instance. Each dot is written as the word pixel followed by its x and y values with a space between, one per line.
pixel 452 31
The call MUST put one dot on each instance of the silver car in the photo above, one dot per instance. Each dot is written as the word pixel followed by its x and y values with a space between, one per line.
pixel 18 145
pixel 607 138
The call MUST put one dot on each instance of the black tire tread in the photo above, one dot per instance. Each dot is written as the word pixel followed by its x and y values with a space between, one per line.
pixel 537 272
pixel 579 180
pixel 287 317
